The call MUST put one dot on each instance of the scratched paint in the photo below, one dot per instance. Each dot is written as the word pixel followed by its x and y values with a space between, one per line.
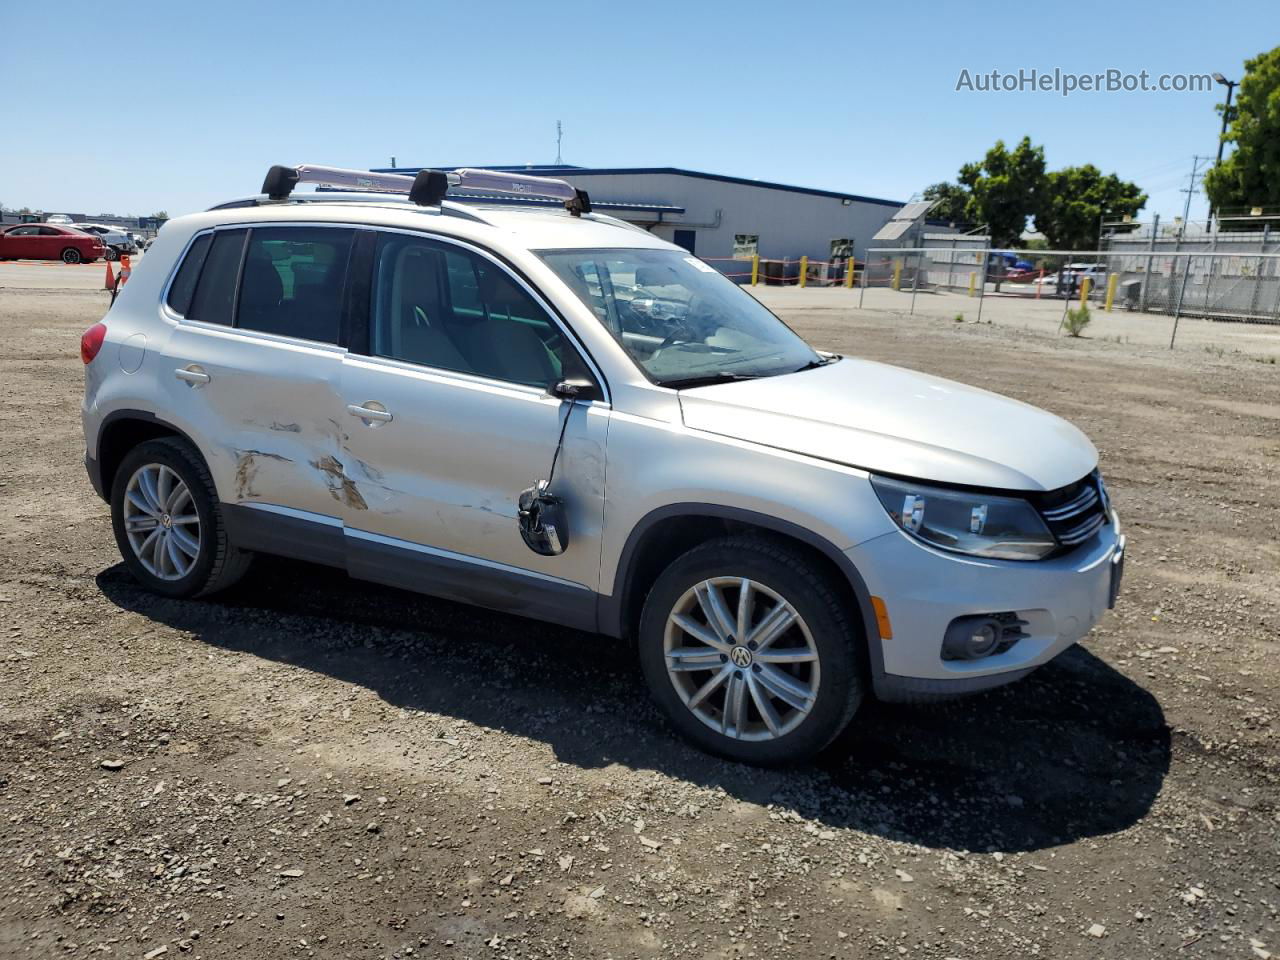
pixel 247 471
pixel 341 487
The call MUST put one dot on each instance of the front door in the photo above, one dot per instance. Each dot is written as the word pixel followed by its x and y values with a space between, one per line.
pixel 448 419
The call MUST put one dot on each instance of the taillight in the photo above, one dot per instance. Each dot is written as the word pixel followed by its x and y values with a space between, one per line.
pixel 91 341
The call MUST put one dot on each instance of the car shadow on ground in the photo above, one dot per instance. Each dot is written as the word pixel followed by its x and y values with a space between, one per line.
pixel 1075 750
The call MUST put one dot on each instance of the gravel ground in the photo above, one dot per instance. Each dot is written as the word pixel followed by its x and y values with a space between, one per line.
pixel 311 766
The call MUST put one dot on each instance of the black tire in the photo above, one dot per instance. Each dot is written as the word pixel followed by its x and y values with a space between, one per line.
pixel 110 254
pixel 836 633
pixel 218 564
pixel 71 255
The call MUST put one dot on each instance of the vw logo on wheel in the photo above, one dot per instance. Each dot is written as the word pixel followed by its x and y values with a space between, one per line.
pixel 740 656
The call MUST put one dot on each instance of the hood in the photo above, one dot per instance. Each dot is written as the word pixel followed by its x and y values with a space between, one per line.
pixel 886 419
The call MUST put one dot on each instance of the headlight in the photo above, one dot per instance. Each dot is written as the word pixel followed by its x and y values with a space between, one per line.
pixel 1003 528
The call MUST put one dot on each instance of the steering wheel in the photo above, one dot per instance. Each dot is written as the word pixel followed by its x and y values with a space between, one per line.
pixel 682 333
pixel 700 320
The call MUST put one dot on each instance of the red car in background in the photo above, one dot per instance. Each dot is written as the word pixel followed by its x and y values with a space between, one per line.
pixel 47 241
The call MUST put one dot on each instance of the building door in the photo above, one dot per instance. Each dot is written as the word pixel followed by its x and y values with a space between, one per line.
pixel 687 239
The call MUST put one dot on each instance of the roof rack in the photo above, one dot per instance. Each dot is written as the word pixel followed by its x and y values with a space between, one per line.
pixel 428 188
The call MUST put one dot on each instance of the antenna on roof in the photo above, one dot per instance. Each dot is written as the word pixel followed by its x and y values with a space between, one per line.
pixel 426 189
pixel 559 133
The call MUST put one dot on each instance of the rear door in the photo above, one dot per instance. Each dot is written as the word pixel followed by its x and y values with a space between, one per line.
pixel 254 367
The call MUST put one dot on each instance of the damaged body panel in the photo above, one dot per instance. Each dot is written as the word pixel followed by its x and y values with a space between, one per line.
pixel 268 409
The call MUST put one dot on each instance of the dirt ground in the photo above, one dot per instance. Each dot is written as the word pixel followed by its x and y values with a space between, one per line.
pixel 310 766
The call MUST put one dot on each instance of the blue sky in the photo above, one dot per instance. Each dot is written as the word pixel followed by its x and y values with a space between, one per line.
pixel 853 97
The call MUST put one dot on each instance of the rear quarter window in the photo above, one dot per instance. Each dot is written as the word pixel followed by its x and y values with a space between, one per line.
pixel 215 294
pixel 184 284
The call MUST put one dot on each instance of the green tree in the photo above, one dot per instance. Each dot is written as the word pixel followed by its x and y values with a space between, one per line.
pixel 952 200
pixel 160 215
pixel 1076 199
pixel 1250 175
pixel 1005 189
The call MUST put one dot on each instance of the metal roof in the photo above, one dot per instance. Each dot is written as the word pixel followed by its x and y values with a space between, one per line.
pixel 567 170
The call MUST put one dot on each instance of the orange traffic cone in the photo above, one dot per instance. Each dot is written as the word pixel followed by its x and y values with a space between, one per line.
pixel 110 283
pixel 126 269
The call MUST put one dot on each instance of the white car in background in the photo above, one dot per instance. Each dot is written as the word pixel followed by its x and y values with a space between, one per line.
pixel 116 239
pixel 61 219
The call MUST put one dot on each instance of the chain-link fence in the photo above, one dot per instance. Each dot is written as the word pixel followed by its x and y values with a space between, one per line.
pixel 1215 278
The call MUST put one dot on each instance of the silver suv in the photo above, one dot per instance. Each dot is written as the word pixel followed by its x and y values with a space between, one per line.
pixel 550 412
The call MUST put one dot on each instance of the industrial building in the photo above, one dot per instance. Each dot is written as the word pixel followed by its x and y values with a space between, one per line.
pixel 720 217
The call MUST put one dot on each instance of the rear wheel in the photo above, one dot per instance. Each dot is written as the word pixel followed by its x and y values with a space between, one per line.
pixel 750 651
pixel 167 522
pixel 71 255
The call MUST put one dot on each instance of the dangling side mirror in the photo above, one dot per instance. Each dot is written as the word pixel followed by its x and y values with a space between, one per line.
pixel 577 388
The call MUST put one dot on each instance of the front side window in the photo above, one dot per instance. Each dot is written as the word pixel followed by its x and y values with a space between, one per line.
pixel 294 280
pixel 444 307
pixel 683 322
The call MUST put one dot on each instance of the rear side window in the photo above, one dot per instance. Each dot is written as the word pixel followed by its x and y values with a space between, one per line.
pixel 294 281
pixel 184 284
pixel 215 294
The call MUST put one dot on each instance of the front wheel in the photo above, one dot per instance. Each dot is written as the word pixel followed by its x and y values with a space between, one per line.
pixel 751 652
pixel 167 522
pixel 110 254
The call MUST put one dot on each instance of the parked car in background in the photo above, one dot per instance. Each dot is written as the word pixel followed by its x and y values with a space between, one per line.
pixel 44 241
pixel 59 218
pixel 116 239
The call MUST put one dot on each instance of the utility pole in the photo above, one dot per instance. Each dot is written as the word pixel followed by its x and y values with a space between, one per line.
pixel 559 134
pixel 1190 190
pixel 1226 119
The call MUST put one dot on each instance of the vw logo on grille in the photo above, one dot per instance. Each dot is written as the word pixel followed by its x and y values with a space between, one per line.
pixel 740 656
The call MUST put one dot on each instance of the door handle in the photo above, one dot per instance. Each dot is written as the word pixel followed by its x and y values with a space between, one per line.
pixel 370 411
pixel 193 375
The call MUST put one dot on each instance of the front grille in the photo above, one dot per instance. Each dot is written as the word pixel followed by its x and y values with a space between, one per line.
pixel 1074 513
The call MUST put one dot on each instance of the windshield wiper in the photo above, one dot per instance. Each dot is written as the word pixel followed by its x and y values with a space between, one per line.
pixel 708 379
pixel 820 362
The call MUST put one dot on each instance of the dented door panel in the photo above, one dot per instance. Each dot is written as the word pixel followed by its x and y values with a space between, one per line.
pixel 446 470
pixel 267 413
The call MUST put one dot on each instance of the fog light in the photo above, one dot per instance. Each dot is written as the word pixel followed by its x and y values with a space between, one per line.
pixel 972 638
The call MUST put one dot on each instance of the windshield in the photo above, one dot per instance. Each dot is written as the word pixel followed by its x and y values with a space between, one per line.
pixel 679 319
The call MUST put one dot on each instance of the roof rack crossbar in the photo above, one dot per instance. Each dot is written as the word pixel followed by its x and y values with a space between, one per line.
pixel 428 188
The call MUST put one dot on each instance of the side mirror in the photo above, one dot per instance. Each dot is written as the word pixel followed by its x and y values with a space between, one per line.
pixel 578 388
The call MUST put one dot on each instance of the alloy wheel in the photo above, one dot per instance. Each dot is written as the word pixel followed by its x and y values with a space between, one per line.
pixel 741 658
pixel 161 522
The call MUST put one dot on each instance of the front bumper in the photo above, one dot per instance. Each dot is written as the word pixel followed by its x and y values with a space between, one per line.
pixel 924 589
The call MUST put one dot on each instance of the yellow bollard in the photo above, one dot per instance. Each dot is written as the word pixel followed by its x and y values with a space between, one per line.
pixel 804 270
pixel 755 269
pixel 849 271
pixel 973 283
pixel 897 275
pixel 1084 291
pixel 1111 290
